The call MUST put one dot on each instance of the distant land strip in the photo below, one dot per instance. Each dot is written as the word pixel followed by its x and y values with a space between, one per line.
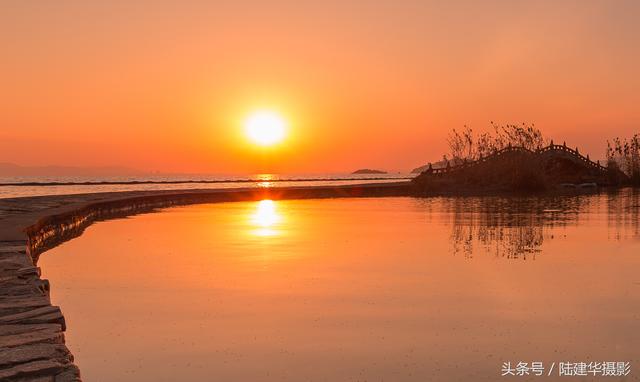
pixel 133 182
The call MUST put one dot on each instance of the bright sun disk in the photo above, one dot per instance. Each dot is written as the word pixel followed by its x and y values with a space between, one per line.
pixel 265 127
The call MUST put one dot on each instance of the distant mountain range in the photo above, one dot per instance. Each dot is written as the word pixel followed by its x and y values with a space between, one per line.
pixel 11 169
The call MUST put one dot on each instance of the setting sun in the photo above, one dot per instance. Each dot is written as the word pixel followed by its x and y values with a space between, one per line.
pixel 265 127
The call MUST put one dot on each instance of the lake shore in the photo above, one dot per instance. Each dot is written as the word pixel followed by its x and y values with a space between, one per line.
pixel 31 329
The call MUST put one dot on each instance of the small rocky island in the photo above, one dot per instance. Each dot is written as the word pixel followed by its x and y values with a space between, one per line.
pixel 368 171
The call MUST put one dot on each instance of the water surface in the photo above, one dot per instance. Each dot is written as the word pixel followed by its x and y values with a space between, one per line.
pixel 16 187
pixel 378 289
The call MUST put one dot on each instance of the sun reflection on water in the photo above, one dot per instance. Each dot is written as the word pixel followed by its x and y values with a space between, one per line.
pixel 266 180
pixel 266 218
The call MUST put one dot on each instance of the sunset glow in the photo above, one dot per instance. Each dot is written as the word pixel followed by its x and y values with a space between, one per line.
pixel 175 97
pixel 265 128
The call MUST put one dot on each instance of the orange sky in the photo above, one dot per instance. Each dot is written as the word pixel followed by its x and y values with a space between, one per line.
pixel 164 86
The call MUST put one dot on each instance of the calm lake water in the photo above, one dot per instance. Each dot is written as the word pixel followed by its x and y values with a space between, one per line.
pixel 386 289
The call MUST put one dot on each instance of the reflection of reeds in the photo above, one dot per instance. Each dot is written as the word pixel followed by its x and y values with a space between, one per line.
pixel 623 207
pixel 518 239
pixel 508 227
pixel 516 227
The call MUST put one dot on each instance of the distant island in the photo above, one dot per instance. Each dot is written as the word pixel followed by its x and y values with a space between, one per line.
pixel 368 171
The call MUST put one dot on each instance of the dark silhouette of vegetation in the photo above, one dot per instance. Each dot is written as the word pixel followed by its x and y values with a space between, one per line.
pixel 624 154
pixel 519 158
pixel 466 146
